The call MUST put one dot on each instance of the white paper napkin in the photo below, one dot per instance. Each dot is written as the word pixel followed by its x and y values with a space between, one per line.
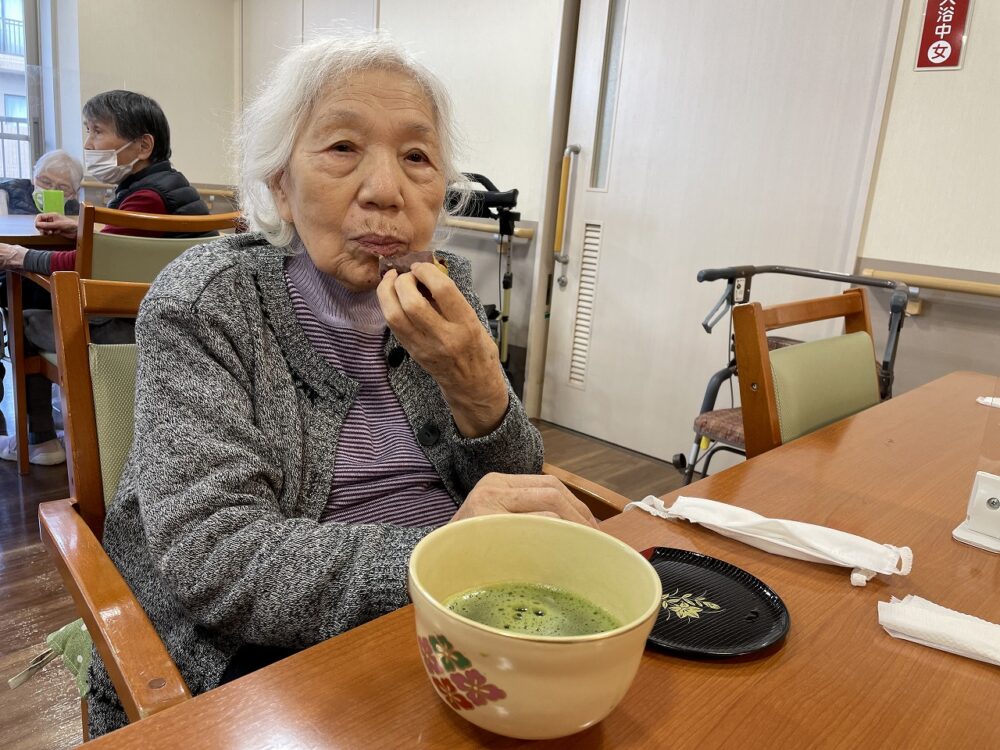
pixel 988 401
pixel 802 541
pixel 929 624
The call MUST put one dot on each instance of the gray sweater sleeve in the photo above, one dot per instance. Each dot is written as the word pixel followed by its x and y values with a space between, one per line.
pixel 209 488
pixel 38 261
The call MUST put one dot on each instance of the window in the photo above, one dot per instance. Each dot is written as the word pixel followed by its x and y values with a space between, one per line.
pixel 15 132
pixel 12 32
pixel 15 106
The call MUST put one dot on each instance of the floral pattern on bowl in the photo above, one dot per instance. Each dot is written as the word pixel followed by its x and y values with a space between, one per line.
pixel 458 685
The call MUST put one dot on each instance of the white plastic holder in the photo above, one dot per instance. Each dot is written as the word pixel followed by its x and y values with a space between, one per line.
pixel 981 527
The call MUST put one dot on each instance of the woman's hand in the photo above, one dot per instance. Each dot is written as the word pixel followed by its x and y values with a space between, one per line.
pixel 12 256
pixel 444 336
pixel 64 226
pixel 540 495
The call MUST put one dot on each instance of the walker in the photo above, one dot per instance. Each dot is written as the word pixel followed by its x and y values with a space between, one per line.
pixel 722 429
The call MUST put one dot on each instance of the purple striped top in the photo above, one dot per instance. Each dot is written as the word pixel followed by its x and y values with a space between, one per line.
pixel 380 474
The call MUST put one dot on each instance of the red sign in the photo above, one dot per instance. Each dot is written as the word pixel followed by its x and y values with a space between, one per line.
pixel 942 41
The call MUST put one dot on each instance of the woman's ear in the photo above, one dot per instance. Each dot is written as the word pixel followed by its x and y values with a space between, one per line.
pixel 146 143
pixel 279 190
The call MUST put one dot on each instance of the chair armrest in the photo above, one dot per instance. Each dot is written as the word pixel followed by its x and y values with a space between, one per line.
pixel 42 281
pixel 145 677
pixel 603 503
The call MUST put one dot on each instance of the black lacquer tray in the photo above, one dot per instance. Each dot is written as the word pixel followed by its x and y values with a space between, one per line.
pixel 711 608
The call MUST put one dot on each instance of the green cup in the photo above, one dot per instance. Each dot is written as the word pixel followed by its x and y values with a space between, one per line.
pixel 52 202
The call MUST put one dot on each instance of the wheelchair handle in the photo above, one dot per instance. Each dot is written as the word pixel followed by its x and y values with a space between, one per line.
pixel 729 272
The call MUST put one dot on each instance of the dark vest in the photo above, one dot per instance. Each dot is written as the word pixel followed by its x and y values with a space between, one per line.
pixel 177 193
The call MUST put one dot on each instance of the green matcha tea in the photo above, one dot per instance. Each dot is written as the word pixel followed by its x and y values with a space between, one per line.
pixel 531 609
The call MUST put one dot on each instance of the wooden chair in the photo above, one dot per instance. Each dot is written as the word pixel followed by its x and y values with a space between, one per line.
pixel 789 392
pixel 144 675
pixel 112 257
pixel 98 402
pixel 603 503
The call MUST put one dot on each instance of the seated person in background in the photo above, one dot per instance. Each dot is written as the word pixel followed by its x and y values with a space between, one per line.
pixel 301 422
pixel 55 170
pixel 128 145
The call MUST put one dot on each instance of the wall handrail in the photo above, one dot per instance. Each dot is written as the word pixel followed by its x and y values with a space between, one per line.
pixel 524 233
pixel 981 288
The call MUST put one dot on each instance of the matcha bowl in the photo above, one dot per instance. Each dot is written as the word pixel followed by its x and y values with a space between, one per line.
pixel 523 684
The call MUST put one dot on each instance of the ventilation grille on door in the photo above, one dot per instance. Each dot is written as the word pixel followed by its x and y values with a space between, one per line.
pixel 584 320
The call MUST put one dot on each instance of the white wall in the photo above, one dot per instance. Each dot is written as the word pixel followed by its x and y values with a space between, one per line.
pixel 499 62
pixel 932 206
pixel 323 16
pixel 271 27
pixel 497 59
pixel 183 54
pixel 935 193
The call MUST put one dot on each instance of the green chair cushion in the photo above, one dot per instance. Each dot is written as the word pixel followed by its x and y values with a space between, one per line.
pixel 73 643
pixel 820 382
pixel 119 257
pixel 112 374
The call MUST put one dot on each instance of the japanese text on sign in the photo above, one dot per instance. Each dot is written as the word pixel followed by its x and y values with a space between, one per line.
pixel 943 37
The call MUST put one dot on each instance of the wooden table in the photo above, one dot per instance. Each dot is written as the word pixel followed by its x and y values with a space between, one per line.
pixel 898 473
pixel 19 229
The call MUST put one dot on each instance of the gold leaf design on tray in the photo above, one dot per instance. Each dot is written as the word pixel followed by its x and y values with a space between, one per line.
pixel 688 606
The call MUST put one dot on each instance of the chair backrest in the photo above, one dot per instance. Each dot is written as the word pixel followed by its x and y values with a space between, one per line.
pixel 98 387
pixel 792 391
pixel 117 257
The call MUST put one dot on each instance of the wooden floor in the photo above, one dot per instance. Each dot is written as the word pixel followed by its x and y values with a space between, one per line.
pixel 44 714
pixel 626 472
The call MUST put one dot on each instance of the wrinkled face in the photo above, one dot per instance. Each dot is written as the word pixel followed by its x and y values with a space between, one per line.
pixel 365 177
pixel 50 179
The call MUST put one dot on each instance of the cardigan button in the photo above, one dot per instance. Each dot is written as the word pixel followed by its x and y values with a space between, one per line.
pixel 396 356
pixel 428 435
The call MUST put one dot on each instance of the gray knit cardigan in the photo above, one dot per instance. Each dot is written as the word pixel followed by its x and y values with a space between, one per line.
pixel 215 522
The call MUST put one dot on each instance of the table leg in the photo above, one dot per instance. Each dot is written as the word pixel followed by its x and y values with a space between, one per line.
pixel 15 316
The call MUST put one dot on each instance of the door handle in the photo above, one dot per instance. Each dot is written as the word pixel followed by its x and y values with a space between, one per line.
pixel 562 257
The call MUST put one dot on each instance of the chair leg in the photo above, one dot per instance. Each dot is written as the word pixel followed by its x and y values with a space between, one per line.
pixel 17 365
pixel 84 717
pixel 715 449
pixel 692 460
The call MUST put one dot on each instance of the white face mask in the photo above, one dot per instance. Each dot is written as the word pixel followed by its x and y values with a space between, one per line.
pixel 103 166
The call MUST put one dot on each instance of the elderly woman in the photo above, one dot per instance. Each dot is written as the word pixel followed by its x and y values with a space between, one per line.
pixel 58 170
pixel 54 170
pixel 301 423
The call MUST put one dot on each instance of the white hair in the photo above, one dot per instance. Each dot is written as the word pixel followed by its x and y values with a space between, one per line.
pixel 62 163
pixel 272 122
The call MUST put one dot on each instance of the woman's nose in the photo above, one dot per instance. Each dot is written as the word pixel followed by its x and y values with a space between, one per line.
pixel 381 186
